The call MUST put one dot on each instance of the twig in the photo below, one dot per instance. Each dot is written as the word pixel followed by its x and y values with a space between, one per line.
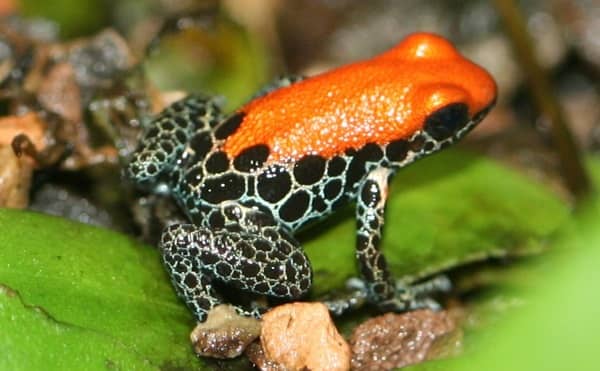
pixel 575 175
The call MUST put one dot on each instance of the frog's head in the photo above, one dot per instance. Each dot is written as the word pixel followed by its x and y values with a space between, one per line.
pixel 449 93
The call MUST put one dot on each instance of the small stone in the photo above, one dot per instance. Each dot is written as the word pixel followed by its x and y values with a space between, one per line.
pixel 301 336
pixel 398 340
pixel 224 334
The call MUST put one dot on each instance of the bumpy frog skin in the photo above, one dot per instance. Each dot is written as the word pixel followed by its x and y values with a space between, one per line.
pixel 293 155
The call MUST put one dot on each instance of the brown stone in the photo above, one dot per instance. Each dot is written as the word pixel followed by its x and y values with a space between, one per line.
pixel 300 336
pixel 397 340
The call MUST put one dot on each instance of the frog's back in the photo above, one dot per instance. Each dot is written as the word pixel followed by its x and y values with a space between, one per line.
pixel 374 101
pixel 299 152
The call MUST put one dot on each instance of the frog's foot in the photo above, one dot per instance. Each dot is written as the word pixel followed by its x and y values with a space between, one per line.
pixel 266 261
pixel 406 298
pixel 417 296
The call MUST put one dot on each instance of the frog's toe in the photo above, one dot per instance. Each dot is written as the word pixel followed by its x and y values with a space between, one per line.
pixel 417 296
pixel 355 283
pixel 437 284
pixel 405 304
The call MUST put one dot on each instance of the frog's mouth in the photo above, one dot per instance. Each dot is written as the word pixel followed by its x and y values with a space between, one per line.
pixel 447 126
pixel 474 121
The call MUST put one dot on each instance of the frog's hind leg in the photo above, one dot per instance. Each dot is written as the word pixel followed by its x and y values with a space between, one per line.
pixel 246 251
pixel 165 138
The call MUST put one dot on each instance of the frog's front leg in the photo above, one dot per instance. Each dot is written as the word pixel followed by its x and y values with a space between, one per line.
pixel 370 208
pixel 165 139
pixel 244 249
pixel 379 286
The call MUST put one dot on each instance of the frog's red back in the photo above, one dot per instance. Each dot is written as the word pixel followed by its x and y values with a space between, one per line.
pixel 375 101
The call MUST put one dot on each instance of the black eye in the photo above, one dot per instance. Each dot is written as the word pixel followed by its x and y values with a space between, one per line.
pixel 446 121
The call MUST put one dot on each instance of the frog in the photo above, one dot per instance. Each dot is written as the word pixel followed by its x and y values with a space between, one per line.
pixel 250 180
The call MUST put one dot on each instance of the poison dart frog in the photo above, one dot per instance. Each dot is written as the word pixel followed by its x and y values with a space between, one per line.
pixel 291 156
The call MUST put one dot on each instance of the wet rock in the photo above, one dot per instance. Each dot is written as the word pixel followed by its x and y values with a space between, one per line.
pixel 99 60
pixel 300 336
pixel 397 340
pixel 224 334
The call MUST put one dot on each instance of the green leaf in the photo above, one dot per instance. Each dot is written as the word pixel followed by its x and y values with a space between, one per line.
pixel 75 296
pixel 444 211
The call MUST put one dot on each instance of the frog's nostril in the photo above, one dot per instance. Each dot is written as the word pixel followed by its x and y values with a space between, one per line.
pixel 447 120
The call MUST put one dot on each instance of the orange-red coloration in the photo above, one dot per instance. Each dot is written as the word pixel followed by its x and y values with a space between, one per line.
pixel 377 100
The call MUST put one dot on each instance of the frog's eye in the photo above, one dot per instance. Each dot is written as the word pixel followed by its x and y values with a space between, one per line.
pixel 446 121
pixel 423 45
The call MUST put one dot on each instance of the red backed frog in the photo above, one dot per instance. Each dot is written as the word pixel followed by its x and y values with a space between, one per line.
pixel 294 154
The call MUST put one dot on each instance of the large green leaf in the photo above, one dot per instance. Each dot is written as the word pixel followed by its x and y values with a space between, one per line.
pixel 75 295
